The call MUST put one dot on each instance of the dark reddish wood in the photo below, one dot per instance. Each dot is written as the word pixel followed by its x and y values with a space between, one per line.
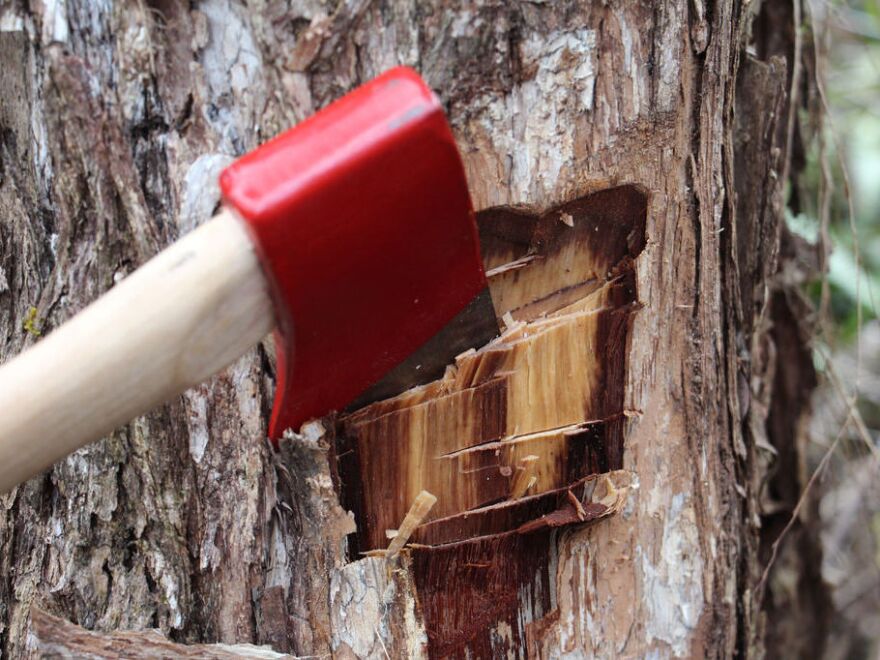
pixel 467 589
pixel 611 222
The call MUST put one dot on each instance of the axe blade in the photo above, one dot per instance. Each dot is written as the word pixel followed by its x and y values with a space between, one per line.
pixel 364 224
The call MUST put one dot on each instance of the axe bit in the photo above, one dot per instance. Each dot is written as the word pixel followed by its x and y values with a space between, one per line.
pixel 352 234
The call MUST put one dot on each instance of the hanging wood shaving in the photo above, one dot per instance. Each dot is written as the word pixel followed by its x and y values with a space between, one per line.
pixel 420 508
pixel 524 478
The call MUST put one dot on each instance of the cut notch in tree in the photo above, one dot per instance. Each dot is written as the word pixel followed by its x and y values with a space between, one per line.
pixel 549 387
pixel 511 439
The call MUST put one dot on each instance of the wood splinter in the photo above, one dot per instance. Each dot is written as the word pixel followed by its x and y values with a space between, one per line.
pixel 420 508
pixel 525 477
pixel 576 503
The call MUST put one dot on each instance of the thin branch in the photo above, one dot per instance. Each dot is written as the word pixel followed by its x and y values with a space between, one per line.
pixel 793 91
pixel 762 583
pixel 820 86
pixel 850 401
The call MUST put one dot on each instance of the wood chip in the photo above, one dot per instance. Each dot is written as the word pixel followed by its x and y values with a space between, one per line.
pixel 513 265
pixel 420 508
pixel 524 478
pixel 576 503
pixel 611 493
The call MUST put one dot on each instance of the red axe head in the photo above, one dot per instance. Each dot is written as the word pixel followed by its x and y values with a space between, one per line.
pixel 366 232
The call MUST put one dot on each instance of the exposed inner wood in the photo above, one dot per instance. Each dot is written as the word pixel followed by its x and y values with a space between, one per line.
pixel 514 437
pixel 467 588
pixel 524 478
pixel 584 500
pixel 548 388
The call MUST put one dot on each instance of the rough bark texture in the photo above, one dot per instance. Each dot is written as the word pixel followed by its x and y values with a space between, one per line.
pixel 58 638
pixel 116 118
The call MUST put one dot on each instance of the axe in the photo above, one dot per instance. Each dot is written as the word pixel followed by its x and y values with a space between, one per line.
pixel 352 234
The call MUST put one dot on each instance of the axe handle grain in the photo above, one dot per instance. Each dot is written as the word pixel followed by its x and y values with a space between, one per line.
pixel 186 314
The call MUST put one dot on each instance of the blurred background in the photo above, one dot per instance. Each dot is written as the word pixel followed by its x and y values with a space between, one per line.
pixel 836 207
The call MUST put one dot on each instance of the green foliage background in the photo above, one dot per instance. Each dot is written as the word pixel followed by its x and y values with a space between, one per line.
pixel 849 58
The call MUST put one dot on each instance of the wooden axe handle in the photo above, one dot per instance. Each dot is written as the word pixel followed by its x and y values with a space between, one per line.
pixel 186 314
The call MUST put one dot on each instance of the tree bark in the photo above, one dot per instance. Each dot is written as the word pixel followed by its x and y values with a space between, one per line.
pixel 116 119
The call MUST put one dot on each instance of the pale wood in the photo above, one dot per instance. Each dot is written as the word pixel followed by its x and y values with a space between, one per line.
pixel 524 477
pixel 421 507
pixel 186 314
pixel 550 368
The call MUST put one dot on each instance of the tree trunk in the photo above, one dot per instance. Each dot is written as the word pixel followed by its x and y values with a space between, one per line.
pixel 628 164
